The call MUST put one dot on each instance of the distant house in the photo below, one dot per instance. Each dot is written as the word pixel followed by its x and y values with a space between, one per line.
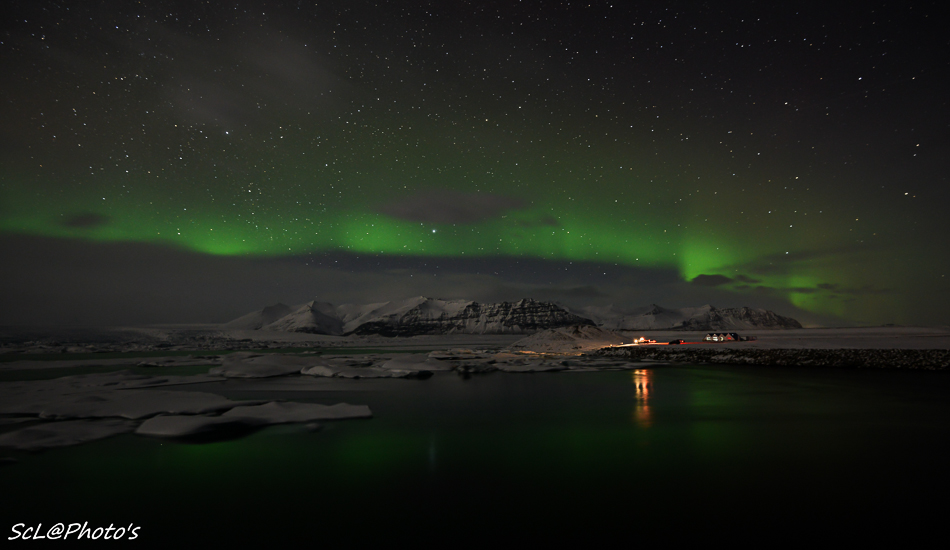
pixel 721 337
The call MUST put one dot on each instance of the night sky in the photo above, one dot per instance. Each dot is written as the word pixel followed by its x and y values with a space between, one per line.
pixel 191 161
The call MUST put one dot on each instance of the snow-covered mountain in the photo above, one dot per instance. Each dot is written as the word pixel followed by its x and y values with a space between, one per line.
pixel 314 317
pixel 421 315
pixel 415 316
pixel 706 317
pixel 258 319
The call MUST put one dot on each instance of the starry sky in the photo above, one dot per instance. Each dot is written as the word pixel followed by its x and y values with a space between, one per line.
pixel 191 161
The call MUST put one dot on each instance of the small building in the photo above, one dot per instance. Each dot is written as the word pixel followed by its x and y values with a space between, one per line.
pixel 721 337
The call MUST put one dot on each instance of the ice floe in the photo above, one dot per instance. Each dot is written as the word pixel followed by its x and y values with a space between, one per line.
pixel 103 403
pixel 184 426
pixel 245 418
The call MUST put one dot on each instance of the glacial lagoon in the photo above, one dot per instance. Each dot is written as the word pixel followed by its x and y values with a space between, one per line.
pixel 668 453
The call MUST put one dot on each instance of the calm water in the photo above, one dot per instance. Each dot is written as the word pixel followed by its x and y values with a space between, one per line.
pixel 664 454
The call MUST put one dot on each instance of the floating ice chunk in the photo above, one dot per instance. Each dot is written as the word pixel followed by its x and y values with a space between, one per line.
pixel 241 420
pixel 158 381
pixel 320 370
pixel 60 434
pixel 459 354
pixel 249 365
pixel 418 362
pixel 364 372
pixel 476 366
pixel 180 361
pixel 530 367
pixel 283 412
pixel 186 426
pixel 357 361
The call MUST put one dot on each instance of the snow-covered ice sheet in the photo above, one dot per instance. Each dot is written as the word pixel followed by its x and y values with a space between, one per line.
pixel 61 434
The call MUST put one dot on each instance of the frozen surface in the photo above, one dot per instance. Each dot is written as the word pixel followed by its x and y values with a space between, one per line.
pixel 172 361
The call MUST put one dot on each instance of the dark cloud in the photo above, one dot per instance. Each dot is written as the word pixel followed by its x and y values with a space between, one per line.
pixel 577 294
pixel 448 207
pixel 82 283
pixel 710 280
pixel 86 221
pixel 863 290
pixel 827 286
pixel 747 280
pixel 786 262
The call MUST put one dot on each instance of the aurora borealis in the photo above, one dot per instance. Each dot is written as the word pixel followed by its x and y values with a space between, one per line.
pixel 789 157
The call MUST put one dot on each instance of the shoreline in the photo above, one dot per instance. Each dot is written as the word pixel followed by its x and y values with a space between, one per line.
pixel 894 358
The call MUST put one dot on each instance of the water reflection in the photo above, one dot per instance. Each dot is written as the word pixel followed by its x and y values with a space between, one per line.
pixel 643 383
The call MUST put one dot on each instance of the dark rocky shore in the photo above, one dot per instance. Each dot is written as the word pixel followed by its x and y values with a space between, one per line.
pixel 917 359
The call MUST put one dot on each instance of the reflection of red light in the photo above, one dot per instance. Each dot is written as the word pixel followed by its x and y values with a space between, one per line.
pixel 643 384
pixel 641 380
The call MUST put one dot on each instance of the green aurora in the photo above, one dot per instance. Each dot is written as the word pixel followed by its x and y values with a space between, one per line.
pixel 750 194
